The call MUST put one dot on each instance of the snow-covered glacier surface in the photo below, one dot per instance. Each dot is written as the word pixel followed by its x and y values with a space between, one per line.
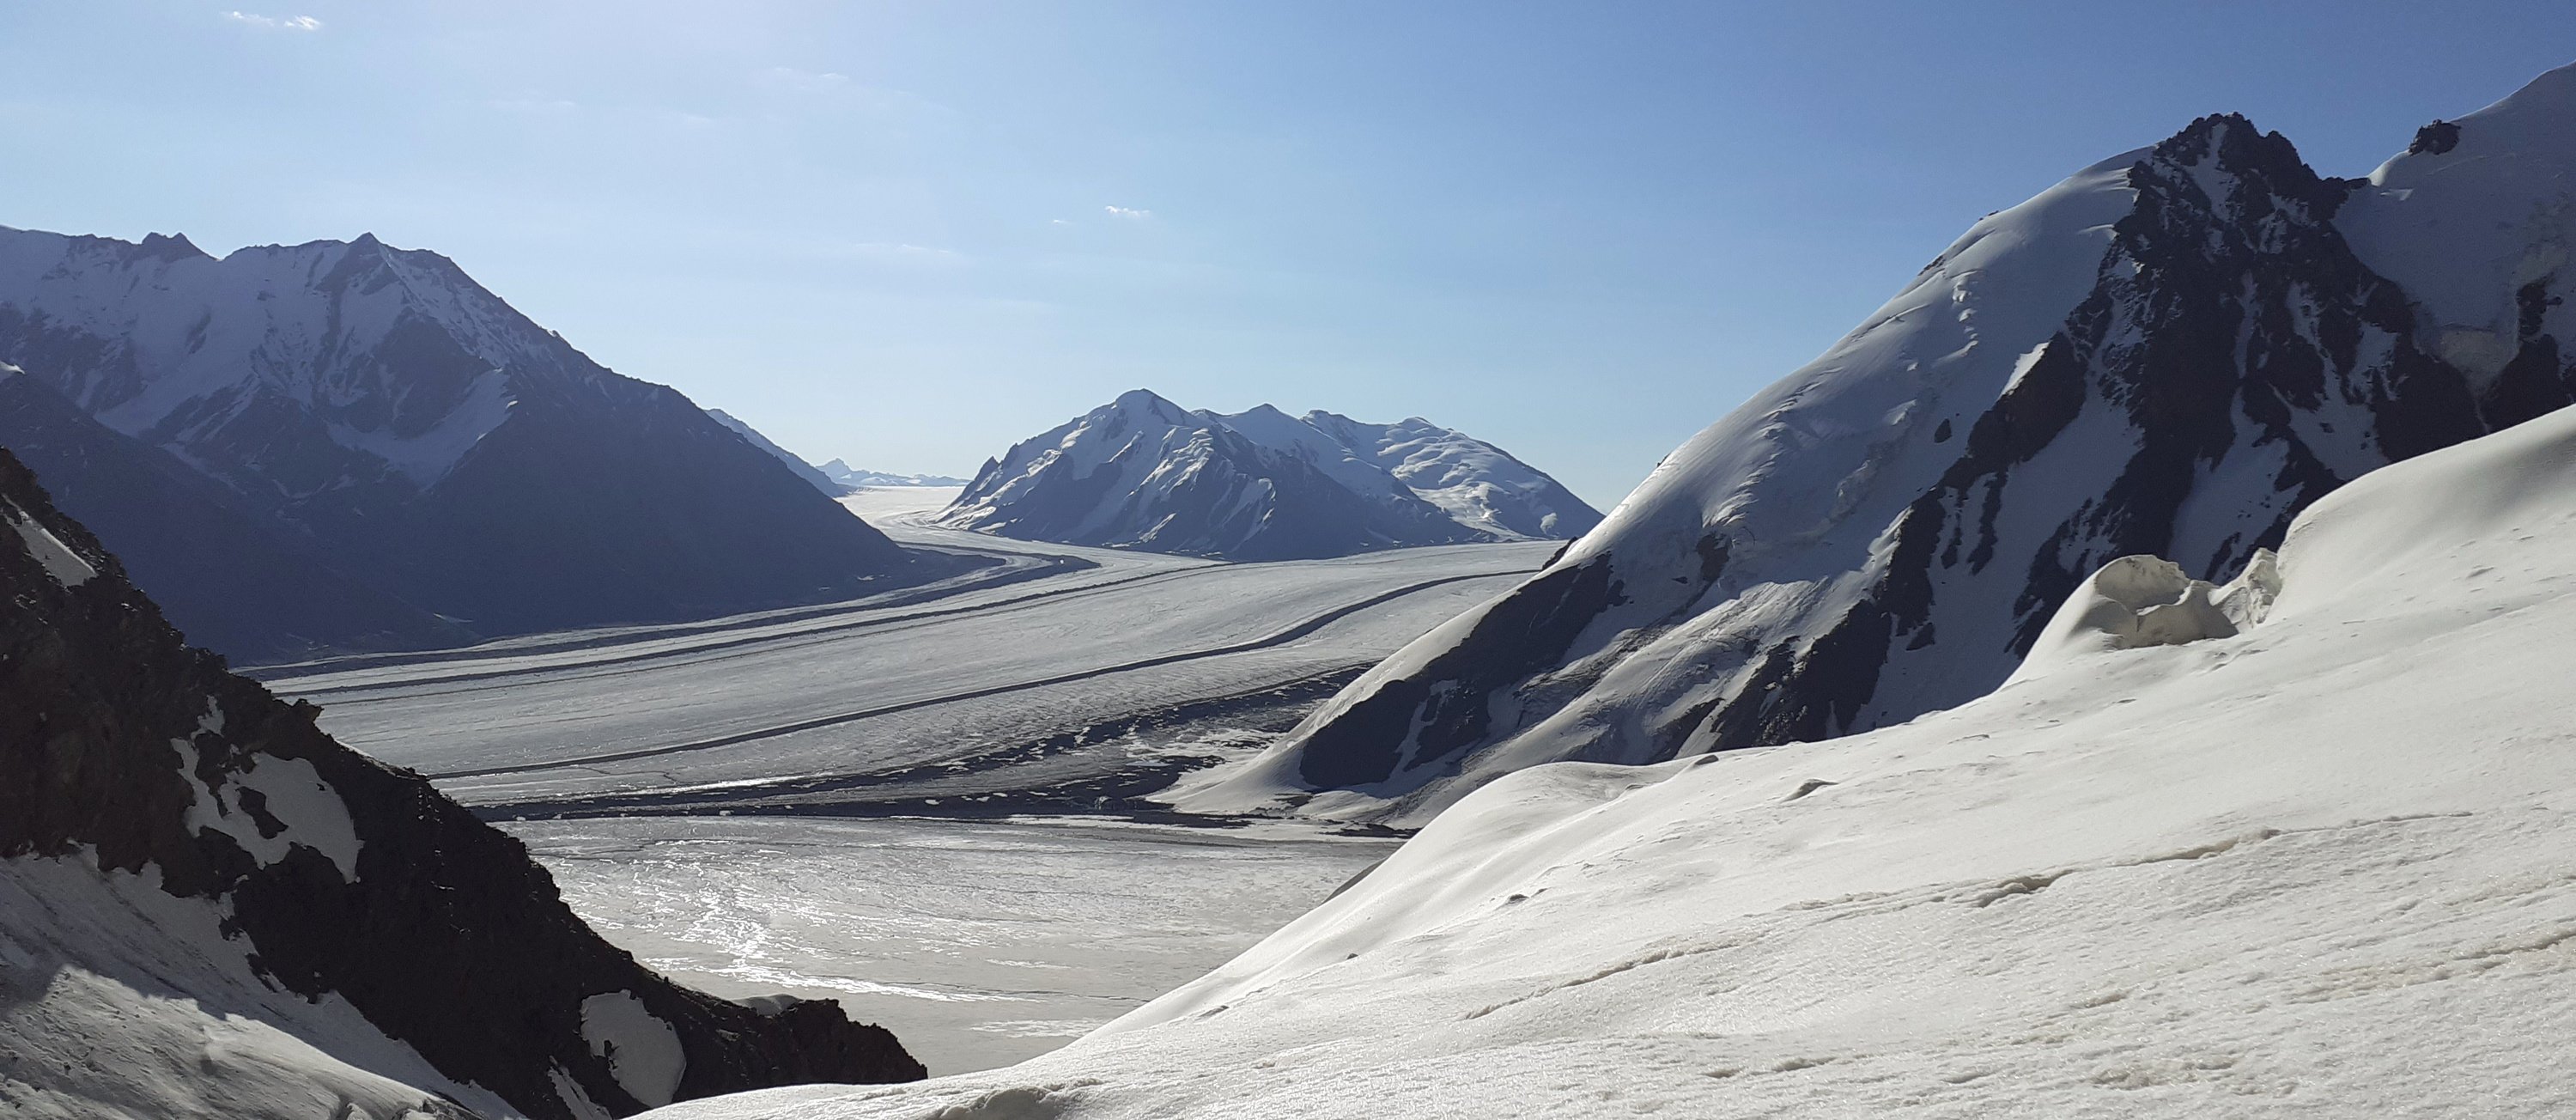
pixel 893 862
pixel 980 943
pixel 2322 866
pixel 984 690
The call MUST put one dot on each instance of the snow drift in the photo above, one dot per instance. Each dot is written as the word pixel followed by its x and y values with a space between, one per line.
pixel 2324 865
pixel 2170 353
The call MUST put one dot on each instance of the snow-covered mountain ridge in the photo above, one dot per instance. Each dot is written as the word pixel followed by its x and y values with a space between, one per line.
pixel 2172 352
pixel 2320 866
pixel 379 405
pixel 853 478
pixel 1142 472
pixel 209 908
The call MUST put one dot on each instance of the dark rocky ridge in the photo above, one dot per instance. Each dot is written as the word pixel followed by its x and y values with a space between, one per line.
pixel 449 939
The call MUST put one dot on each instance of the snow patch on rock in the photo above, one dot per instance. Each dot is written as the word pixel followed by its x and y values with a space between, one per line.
pixel 63 564
pixel 643 1052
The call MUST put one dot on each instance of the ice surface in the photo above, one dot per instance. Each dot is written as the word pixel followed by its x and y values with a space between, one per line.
pixel 979 943
pixel 874 690
pixel 2325 866
pixel 878 504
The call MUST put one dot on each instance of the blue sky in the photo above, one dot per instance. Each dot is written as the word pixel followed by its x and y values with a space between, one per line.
pixel 908 234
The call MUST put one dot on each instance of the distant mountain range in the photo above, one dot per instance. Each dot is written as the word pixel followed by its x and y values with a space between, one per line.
pixel 1144 473
pixel 851 478
pixel 209 908
pixel 836 477
pixel 2171 353
pixel 432 463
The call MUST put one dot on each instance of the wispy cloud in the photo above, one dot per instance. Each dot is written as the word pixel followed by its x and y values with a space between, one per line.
pixel 1130 213
pixel 802 81
pixel 276 23
pixel 1058 222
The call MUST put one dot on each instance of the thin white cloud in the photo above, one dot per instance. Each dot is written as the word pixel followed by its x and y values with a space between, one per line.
pixel 1129 213
pixel 276 23
pixel 802 81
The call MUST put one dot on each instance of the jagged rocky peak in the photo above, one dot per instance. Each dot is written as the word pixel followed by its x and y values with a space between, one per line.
pixel 1144 472
pixel 169 247
pixel 2437 138
pixel 2171 353
pixel 228 914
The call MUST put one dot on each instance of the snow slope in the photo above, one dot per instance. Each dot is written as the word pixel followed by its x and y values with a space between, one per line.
pixel 2171 352
pixel 2322 867
pixel 1480 485
pixel 1144 473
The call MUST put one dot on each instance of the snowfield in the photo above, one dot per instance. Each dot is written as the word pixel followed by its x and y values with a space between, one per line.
pixel 2323 867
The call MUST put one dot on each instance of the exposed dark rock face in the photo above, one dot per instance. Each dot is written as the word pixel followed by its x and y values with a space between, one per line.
pixel 379 405
pixel 2224 359
pixel 2437 138
pixel 117 739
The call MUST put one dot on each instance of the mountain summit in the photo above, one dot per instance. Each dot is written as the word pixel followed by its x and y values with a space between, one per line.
pixel 377 406
pixel 1144 473
pixel 2171 353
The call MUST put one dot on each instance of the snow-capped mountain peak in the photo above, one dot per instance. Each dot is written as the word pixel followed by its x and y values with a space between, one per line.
pixel 2474 222
pixel 2170 353
pixel 379 403
pixel 1143 472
